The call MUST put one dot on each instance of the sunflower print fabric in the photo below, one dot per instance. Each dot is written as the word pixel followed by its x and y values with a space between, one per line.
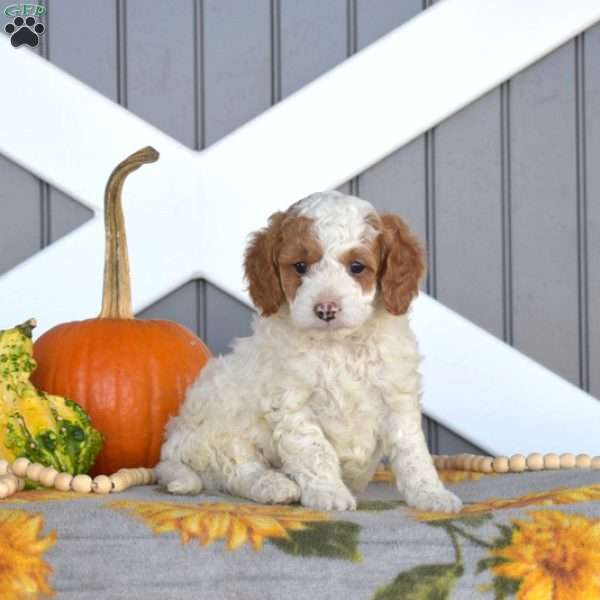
pixel 533 536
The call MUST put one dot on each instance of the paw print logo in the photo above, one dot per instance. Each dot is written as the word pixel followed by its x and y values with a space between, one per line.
pixel 24 31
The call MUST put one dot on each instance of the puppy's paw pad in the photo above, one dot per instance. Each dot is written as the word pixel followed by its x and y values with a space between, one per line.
pixel 275 488
pixel 328 497
pixel 435 501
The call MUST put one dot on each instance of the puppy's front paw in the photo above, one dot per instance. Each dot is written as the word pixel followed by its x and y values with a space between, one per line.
pixel 275 488
pixel 433 500
pixel 324 495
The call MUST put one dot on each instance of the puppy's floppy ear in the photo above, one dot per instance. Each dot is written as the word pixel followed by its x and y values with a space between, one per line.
pixel 403 264
pixel 262 272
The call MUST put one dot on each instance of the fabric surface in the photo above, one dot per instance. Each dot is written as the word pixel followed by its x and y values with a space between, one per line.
pixel 529 536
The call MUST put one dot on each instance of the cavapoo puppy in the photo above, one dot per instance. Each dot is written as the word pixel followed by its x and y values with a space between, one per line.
pixel 328 384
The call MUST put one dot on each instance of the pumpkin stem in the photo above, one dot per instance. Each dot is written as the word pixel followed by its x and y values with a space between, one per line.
pixel 116 293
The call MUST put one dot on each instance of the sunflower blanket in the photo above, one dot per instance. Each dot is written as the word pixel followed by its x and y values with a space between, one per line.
pixel 532 536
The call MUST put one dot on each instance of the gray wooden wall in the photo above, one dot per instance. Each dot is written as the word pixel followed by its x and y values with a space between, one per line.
pixel 505 193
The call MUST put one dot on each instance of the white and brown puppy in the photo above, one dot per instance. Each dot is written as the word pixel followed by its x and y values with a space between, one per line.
pixel 305 408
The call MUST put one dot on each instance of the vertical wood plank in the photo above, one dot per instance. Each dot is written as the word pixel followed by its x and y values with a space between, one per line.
pixel 180 306
pixel 226 319
pixel 86 52
pixel 397 183
pixel 313 40
pixel 65 214
pixel 592 192
pixel 90 55
pixel 237 63
pixel 160 65
pixel 21 222
pixel 544 212
pixel 375 19
pixel 468 210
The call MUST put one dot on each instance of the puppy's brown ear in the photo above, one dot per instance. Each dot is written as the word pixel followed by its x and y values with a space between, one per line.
pixel 262 272
pixel 403 264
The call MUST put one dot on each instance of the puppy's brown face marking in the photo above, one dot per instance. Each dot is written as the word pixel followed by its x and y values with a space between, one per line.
pixel 366 256
pixel 297 244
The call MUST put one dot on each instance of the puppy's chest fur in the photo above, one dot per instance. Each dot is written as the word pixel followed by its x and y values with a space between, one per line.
pixel 347 404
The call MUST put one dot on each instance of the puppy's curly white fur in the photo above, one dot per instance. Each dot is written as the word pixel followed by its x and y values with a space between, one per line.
pixel 305 408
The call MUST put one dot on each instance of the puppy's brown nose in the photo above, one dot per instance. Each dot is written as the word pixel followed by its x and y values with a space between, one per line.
pixel 326 310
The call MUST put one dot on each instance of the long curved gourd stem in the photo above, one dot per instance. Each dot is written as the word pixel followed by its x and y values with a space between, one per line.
pixel 116 293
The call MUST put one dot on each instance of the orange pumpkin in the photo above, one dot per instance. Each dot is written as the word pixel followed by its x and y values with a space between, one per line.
pixel 129 375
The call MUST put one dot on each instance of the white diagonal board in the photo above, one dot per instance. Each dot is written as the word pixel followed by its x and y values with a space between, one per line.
pixel 189 214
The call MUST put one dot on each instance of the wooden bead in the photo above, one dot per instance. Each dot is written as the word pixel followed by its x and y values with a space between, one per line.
pixel 48 476
pixel 128 476
pixel 551 461
pixel 535 461
pixel 583 461
pixel 500 464
pixel 595 462
pixel 10 482
pixel 33 471
pixel 137 476
pixel 487 464
pixel 102 485
pixel 63 482
pixel 82 484
pixel 477 464
pixel 20 484
pixel 469 461
pixel 567 460
pixel 445 462
pixel 152 479
pixel 120 482
pixel 4 466
pixel 517 463
pixel 440 461
pixel 145 476
pixel 4 493
pixel 19 466
pixel 455 462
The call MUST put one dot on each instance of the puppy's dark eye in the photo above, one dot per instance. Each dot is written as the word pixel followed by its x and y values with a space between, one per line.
pixel 301 268
pixel 357 267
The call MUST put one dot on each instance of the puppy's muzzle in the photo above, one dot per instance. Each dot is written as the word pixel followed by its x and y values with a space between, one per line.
pixel 326 311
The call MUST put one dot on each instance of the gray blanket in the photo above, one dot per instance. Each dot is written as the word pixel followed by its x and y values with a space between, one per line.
pixel 533 535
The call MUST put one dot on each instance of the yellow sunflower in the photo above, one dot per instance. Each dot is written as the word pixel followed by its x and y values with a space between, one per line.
pixel 23 572
pixel 46 495
pixel 236 523
pixel 554 497
pixel 556 556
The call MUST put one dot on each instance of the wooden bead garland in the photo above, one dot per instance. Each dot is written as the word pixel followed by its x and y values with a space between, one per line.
pixel 516 463
pixel 13 476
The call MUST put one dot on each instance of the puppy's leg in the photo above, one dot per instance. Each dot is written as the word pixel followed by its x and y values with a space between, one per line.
pixel 173 471
pixel 243 471
pixel 254 481
pixel 416 477
pixel 311 461
pixel 178 478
